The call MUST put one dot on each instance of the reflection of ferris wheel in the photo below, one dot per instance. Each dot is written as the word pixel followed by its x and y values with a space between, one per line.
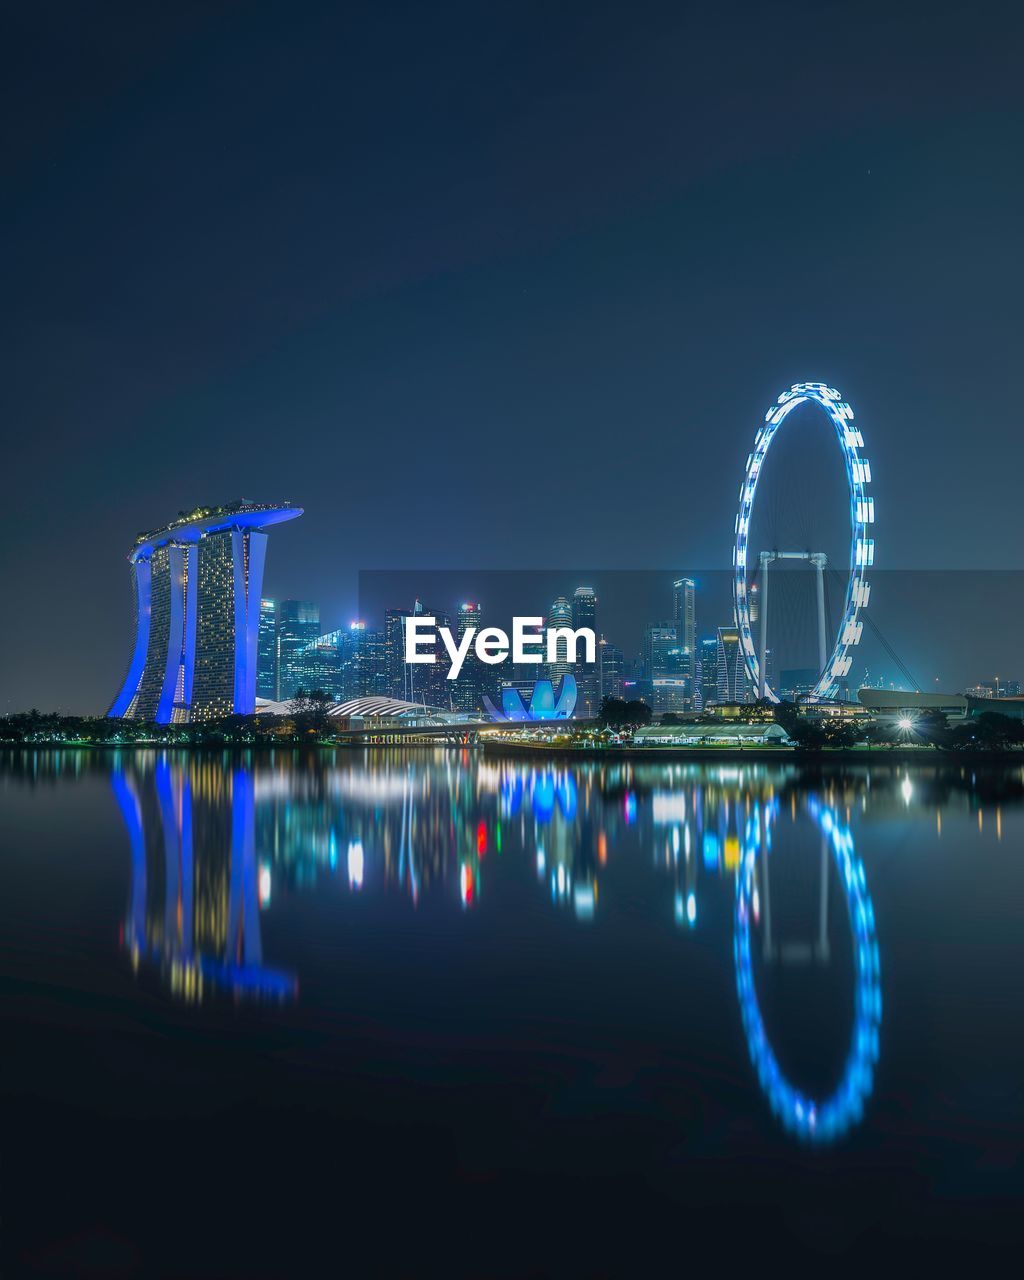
pixel 807 1118
pixel 836 666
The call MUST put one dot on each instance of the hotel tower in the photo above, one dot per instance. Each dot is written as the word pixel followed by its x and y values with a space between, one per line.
pixel 197 585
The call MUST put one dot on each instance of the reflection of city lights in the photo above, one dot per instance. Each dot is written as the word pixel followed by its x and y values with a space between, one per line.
pixel 264 885
pixel 732 853
pixel 629 808
pixel 481 838
pixel 584 899
pixel 668 807
pixel 906 790
pixel 602 848
pixel 466 884
pixel 691 908
pixel 355 864
pixel 542 860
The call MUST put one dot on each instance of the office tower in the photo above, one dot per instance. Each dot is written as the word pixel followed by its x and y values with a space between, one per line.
pixel 266 651
pixel 320 665
pixel 428 683
pixel 666 668
pixel 684 599
pixel 610 665
pixel 371 662
pixel 707 676
pixel 732 673
pixel 197 588
pixel 559 615
pixel 588 677
pixel 474 681
pixel 394 651
pixel 298 623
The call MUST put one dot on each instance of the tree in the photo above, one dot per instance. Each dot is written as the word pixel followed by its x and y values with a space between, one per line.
pixel 991 731
pixel 311 711
pixel 617 713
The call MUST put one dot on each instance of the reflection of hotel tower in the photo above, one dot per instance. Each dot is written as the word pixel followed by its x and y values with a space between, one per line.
pixel 195 903
pixel 197 586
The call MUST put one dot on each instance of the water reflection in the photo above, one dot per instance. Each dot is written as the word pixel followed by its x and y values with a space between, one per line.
pixel 196 893
pixel 727 855
pixel 803 1116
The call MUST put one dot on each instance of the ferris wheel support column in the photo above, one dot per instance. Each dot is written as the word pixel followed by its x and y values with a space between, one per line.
pixel 819 560
pixel 766 558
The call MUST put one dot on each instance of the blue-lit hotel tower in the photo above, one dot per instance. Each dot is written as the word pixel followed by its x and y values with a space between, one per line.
pixel 197 585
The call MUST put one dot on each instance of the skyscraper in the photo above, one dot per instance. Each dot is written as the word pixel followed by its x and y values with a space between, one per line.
pixel 425 683
pixel 707 675
pixel 394 651
pixel 468 690
pixel 197 584
pixel 610 665
pixel 559 615
pixel 428 683
pixel 684 600
pixel 588 676
pixel 266 651
pixel 731 673
pixel 666 668
pixel 298 623
pixel 371 662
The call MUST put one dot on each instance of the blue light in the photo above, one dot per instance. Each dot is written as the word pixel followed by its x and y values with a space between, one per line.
pixel 143 610
pixel 807 1119
pixel 543 703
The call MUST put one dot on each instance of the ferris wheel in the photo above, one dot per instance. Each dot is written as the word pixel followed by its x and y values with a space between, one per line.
pixel 834 665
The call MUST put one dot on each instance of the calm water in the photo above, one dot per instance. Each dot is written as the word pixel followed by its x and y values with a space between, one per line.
pixel 420 1013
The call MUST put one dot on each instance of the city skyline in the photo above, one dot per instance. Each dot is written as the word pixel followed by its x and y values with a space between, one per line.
pixel 381 300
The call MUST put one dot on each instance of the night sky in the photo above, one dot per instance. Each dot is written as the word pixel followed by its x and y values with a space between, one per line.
pixel 491 285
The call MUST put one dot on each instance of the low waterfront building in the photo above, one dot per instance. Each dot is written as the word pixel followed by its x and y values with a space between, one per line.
pixel 720 734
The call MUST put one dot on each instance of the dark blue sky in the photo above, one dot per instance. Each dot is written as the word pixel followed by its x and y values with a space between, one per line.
pixel 490 285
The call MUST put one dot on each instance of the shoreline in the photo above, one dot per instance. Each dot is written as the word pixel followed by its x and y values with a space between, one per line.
pixel 872 755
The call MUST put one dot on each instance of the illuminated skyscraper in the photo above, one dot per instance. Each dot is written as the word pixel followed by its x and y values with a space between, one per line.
pixel 298 624
pixel 371 662
pixel 468 690
pixel 684 599
pixel 731 673
pixel 559 615
pixel 666 668
pixel 707 671
pixel 197 588
pixel 428 683
pixel 266 651
pixel 588 676
pixel 610 664
pixel 394 652
pixel 327 664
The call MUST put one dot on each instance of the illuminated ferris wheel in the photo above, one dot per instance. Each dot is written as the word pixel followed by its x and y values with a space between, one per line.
pixel 834 666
